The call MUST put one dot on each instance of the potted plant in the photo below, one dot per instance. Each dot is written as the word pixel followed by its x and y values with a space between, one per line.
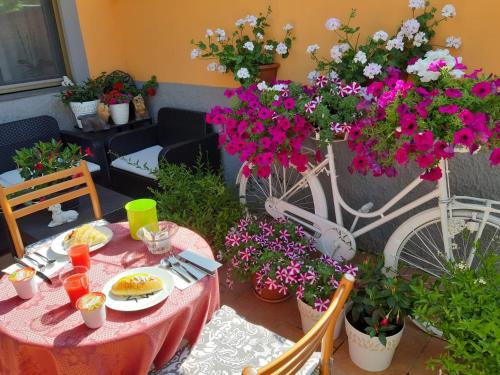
pixel 82 98
pixel 318 279
pixel 267 252
pixel 463 305
pixel 245 52
pixel 119 103
pixel 375 322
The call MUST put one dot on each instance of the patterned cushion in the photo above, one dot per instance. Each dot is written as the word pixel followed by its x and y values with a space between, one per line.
pixel 229 343
pixel 137 161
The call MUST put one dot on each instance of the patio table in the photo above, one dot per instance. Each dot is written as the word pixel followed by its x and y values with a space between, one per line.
pixel 46 335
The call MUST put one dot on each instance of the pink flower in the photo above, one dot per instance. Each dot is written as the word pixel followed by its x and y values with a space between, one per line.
pixel 283 158
pixel 464 137
pixel 263 171
pixel 425 160
pixel 246 171
pixel 482 89
pixel 424 140
pixel 293 268
pixel 321 81
pixel 453 93
pixel 359 163
pixel 436 66
pixel 432 174
pixel 300 291
pixel 271 284
pixel 408 123
pixel 495 156
pixel 299 231
pixel 450 109
pixel 282 289
pixel 289 104
pixel 375 88
pixel 443 150
pixel 401 155
pixel 265 113
pixel 309 107
pixel 317 156
pixel 321 305
pixel 466 116
pixel 474 74
pixel 351 269
pixel 333 282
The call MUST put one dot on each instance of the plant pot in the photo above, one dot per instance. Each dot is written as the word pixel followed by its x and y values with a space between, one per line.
pixel 268 72
pixel 266 294
pixel 309 316
pixel 84 108
pixel 367 352
pixel 120 113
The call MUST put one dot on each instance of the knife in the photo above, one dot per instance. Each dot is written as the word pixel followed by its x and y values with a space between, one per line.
pixel 198 266
pixel 38 273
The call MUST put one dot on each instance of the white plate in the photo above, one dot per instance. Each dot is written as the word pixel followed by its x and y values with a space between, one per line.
pixel 58 242
pixel 122 304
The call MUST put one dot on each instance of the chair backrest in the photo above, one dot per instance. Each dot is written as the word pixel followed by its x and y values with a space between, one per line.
pixel 177 125
pixel 322 332
pixel 24 133
pixel 67 184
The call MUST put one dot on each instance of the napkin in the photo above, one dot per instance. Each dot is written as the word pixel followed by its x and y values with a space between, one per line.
pixel 197 259
pixel 182 284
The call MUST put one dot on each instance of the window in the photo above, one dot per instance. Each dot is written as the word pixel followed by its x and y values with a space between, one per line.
pixel 30 46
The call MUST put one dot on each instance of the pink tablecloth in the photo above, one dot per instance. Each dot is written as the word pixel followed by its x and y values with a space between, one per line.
pixel 45 335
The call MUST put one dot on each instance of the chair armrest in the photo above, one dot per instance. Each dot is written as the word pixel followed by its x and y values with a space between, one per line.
pixel 130 141
pixel 96 147
pixel 187 152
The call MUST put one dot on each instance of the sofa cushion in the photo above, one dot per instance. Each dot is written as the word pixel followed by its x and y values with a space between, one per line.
pixel 13 177
pixel 143 162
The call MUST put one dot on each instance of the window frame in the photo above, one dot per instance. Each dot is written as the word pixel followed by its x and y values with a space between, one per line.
pixel 40 84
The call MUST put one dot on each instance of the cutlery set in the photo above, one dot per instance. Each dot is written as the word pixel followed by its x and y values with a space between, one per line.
pixel 179 268
pixel 37 263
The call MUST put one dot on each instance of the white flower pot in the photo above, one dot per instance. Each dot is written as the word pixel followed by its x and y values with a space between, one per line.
pixel 119 113
pixel 309 316
pixel 84 108
pixel 367 352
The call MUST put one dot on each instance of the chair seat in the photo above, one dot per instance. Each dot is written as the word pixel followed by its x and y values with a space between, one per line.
pixel 229 343
pixel 14 177
pixel 137 161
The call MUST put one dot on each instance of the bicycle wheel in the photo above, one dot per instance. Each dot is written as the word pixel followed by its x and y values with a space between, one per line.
pixel 418 242
pixel 255 191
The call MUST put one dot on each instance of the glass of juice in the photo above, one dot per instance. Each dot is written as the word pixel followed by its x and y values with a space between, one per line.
pixel 75 281
pixel 79 255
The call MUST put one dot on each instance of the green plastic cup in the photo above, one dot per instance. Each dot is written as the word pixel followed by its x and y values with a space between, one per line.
pixel 140 212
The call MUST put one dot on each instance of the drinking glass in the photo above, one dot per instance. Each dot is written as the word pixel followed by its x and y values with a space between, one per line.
pixel 79 255
pixel 75 280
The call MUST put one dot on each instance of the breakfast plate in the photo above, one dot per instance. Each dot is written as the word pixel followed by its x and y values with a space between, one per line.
pixel 136 303
pixel 58 246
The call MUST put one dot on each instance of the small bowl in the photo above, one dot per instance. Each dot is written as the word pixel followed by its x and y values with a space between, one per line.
pixel 158 237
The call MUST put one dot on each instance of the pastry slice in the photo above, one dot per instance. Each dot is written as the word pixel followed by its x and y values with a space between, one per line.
pixel 137 284
pixel 86 234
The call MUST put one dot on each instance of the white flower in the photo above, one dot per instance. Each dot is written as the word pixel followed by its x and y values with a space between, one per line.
pixel 311 76
pixel 268 47
pixel 360 57
pixel 453 42
pixel 380 35
pixel 312 48
pixel 276 97
pixel 416 4
pixel 243 73
pixel 279 87
pixel 332 24
pixel 288 27
pixel 410 27
pixel 251 20
pixel 195 53
pixel 371 70
pixel 260 36
pixel 248 46
pixel 262 85
pixel 396 43
pixel 281 49
pixel 337 52
pixel 240 22
pixel 209 33
pixel 221 69
pixel 462 266
pixel 480 281
pixel 420 39
pixel 212 67
pixel 333 75
pixel 448 11
pixel 221 35
pixel 421 68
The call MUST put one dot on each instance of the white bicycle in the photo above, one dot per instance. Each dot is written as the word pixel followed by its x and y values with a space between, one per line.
pixel 458 229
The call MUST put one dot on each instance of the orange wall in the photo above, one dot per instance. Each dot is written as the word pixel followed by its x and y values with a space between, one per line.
pixel 153 36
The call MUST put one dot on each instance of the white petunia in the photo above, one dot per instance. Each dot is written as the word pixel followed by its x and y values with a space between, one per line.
pixel 410 27
pixel 212 67
pixel 279 87
pixel 453 42
pixel 421 66
pixel 262 85
pixel 260 36
pixel 332 24
pixel 268 47
pixel 221 35
pixel 251 20
pixel 371 70
pixel 195 53
pixel 281 49
pixel 243 73
pixel 448 11
pixel 337 51
pixel 396 43
pixel 240 22
pixel 380 35
pixel 209 33
pixel 221 69
pixel 416 4
pixel 333 75
pixel 420 39
pixel 249 46
pixel 288 27
pixel 312 48
pixel 311 76
pixel 360 57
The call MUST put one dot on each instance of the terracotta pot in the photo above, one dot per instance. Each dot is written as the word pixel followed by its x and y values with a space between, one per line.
pixel 268 72
pixel 268 295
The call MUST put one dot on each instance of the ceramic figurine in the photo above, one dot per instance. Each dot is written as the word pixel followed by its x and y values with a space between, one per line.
pixel 60 217
pixel 141 111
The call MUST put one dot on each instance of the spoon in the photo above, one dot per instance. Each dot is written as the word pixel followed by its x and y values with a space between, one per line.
pixel 48 260
pixel 40 266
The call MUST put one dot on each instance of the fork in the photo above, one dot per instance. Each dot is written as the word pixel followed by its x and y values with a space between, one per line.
pixel 48 260
pixel 175 262
pixel 40 266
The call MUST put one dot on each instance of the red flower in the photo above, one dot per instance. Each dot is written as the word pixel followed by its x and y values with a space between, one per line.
pixel 38 166
pixel 432 174
pixel 151 91
pixel 384 322
pixel 118 86
pixel 88 152
pixel 495 156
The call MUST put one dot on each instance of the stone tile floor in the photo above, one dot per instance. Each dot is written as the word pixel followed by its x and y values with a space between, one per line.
pixel 283 318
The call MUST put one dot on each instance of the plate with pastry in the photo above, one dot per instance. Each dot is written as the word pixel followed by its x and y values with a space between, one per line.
pixel 96 236
pixel 138 288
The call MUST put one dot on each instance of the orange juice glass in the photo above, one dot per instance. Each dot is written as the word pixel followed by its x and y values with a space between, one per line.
pixel 75 281
pixel 79 255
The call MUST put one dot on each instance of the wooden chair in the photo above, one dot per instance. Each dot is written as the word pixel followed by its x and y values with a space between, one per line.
pixel 228 343
pixel 14 209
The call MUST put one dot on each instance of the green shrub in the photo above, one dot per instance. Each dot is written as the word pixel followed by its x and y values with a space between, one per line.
pixel 464 305
pixel 197 199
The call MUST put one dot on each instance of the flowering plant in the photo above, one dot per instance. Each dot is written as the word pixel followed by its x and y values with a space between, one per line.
pixel 272 250
pixel 411 122
pixel 379 303
pixel 123 82
pixel 361 63
pixel 242 53
pixel 87 91
pixel 116 96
